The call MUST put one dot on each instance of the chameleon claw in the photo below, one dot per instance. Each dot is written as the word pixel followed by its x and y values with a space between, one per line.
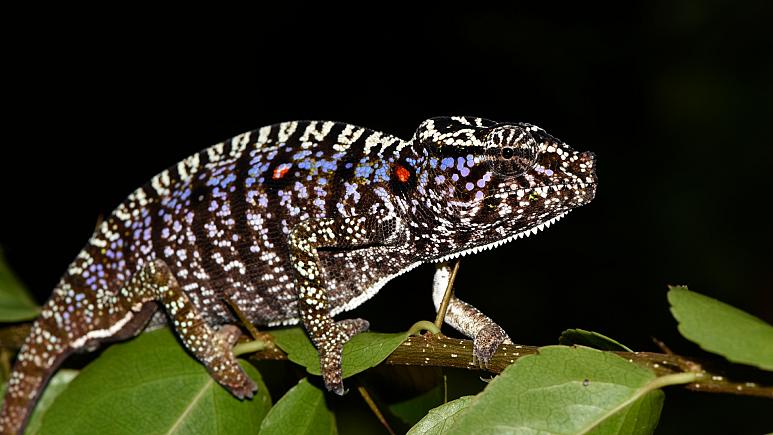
pixel 487 342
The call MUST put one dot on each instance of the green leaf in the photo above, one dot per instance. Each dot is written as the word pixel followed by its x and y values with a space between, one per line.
pixel 16 304
pixel 362 352
pixel 414 409
pixel 58 383
pixel 591 339
pixel 722 329
pixel 151 385
pixel 302 410
pixel 440 419
pixel 568 390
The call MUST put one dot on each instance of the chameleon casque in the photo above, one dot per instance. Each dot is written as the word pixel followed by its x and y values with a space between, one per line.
pixel 298 222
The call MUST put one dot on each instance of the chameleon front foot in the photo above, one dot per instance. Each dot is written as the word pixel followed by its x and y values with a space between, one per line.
pixel 331 346
pixel 486 343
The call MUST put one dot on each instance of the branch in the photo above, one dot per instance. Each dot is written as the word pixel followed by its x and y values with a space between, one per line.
pixel 440 351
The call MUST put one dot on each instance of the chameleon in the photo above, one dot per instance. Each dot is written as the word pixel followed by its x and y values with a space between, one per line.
pixel 298 222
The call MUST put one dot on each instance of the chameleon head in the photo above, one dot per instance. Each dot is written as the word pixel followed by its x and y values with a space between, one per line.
pixel 498 181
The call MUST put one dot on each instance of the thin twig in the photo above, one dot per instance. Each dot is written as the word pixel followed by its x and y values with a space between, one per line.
pixel 243 319
pixel 661 345
pixel 441 312
pixel 374 408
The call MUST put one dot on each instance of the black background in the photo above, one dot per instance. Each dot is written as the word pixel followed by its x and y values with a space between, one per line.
pixel 675 98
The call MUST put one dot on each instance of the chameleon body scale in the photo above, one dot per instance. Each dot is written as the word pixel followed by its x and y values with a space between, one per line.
pixel 298 222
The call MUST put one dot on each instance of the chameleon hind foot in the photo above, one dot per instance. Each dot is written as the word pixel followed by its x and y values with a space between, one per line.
pixel 156 283
pixel 225 369
pixel 331 346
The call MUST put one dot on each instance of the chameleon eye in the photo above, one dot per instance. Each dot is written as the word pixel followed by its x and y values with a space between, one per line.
pixel 511 149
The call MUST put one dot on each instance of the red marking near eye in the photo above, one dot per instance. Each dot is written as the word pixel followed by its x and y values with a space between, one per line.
pixel 280 171
pixel 402 173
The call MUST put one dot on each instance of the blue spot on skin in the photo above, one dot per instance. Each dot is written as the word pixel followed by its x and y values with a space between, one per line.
pixel 326 165
pixel 481 183
pixel 460 163
pixel 448 162
pixel 349 165
pixel 469 186
pixel 455 177
pixel 381 174
pixel 363 171
pixel 440 179
pixel 433 162
pixel 301 154
pixel 479 195
pixel 322 181
pixel 465 171
pixel 228 179
pixel 470 160
pixel 301 189
pixel 258 169
pixel 549 172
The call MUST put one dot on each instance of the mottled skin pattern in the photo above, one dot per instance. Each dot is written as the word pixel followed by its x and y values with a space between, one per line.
pixel 297 222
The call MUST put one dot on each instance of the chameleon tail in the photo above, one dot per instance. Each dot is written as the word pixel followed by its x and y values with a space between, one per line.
pixel 37 360
pixel 67 323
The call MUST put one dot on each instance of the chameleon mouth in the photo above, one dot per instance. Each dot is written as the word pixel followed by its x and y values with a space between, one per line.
pixel 523 234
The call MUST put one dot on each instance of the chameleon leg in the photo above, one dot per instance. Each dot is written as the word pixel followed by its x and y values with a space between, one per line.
pixel 155 282
pixel 327 335
pixel 486 335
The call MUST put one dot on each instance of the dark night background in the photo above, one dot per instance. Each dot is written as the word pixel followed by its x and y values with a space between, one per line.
pixel 675 98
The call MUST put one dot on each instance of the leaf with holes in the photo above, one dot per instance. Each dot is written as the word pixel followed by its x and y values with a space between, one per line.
pixel 151 385
pixel 302 410
pixel 722 329
pixel 568 390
